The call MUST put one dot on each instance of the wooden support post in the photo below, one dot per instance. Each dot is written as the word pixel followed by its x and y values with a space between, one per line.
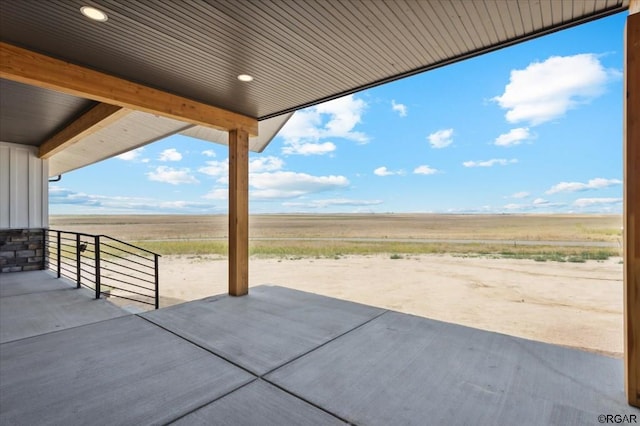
pixel 238 212
pixel 632 205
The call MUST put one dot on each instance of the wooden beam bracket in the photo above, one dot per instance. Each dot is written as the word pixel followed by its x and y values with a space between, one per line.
pixel 90 122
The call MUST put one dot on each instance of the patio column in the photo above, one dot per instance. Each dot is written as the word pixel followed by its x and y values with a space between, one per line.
pixel 238 212
pixel 632 205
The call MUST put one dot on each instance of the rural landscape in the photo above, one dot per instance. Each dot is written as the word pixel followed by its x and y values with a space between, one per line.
pixel 553 278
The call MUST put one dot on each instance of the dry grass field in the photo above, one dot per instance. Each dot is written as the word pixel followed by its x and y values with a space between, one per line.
pixel 539 237
pixel 567 290
pixel 416 226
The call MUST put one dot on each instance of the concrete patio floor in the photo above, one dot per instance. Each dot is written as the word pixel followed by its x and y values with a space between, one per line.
pixel 278 357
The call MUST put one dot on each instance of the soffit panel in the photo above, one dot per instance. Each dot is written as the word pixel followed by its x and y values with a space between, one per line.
pixel 300 52
pixel 31 115
pixel 267 130
pixel 132 131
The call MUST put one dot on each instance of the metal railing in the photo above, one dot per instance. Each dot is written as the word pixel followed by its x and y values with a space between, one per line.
pixel 109 267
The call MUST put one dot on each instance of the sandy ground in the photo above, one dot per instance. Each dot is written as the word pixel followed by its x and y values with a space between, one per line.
pixel 571 304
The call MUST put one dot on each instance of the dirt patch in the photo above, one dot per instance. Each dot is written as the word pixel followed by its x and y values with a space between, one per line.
pixel 572 304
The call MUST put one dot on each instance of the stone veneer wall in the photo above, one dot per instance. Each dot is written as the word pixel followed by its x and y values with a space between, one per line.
pixel 22 249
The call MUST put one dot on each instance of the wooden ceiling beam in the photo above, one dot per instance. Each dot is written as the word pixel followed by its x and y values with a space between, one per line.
pixel 25 66
pixel 90 122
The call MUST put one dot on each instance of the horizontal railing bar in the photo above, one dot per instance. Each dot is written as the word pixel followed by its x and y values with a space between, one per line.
pixel 130 245
pixel 67 276
pixel 84 262
pixel 89 287
pixel 130 291
pixel 71 232
pixel 114 285
pixel 129 283
pixel 65 269
pixel 130 260
pixel 81 257
pixel 137 283
pixel 124 266
pixel 92 273
pixel 129 298
pixel 68 236
pixel 126 251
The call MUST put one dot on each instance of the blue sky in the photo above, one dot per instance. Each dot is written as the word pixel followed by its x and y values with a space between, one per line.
pixel 533 128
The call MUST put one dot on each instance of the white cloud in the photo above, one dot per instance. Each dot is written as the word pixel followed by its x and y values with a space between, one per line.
pixel 106 204
pixel 216 168
pixel 514 137
pixel 521 194
pixel 333 119
pixel 265 164
pixel 209 153
pixel 217 194
pixel 590 202
pixel 267 180
pixel 539 204
pixel 344 114
pixel 344 202
pixel 383 171
pixel 597 183
pixel 425 170
pixel 309 148
pixel 304 125
pixel 545 90
pixel 441 138
pixel 490 163
pixel 130 155
pixel 281 184
pixel 220 169
pixel 59 195
pixel 170 154
pixel 514 206
pixel 399 108
pixel 171 175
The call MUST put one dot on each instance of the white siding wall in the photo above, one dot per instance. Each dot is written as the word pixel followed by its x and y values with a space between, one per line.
pixel 24 187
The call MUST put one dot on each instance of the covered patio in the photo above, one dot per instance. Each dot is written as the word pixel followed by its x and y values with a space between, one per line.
pixel 78 89
pixel 279 357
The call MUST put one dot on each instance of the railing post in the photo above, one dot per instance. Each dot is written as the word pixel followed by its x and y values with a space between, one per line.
pixel 157 281
pixel 59 254
pixel 78 276
pixel 47 249
pixel 97 264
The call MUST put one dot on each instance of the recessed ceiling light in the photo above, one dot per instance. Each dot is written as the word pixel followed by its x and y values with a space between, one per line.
pixel 245 77
pixel 93 13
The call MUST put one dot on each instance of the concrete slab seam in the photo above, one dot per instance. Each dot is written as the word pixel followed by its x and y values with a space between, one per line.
pixel 319 407
pixel 196 344
pixel 325 343
pixel 64 329
pixel 212 401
